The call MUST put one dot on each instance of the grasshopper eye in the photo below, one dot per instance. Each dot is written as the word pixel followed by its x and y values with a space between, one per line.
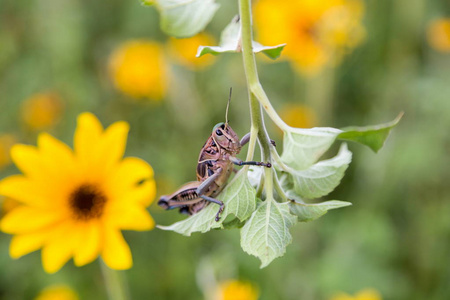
pixel 219 132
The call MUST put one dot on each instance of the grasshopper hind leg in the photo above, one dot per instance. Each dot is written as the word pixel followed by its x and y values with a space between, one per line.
pixel 164 202
pixel 205 185
pixel 218 202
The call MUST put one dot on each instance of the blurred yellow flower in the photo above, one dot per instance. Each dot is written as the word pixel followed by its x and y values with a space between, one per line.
pixel 297 115
pixel 57 292
pixel 237 290
pixel 184 50
pixel 8 204
pixel 42 111
pixel 6 142
pixel 366 294
pixel 316 32
pixel 439 34
pixel 75 203
pixel 139 70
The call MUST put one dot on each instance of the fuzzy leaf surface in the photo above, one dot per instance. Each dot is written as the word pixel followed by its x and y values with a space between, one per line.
pixel 308 212
pixel 239 197
pixel 230 42
pixel 371 136
pixel 266 234
pixel 240 201
pixel 254 175
pixel 184 18
pixel 323 177
pixel 303 147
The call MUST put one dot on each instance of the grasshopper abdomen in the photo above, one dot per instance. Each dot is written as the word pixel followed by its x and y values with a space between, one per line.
pixel 214 166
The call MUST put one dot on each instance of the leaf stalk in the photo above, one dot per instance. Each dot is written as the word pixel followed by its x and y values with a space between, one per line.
pixel 258 128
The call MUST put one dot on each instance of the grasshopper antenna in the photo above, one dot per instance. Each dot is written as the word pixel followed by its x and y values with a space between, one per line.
pixel 228 106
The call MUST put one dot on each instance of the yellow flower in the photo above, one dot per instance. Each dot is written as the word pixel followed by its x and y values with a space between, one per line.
pixel 8 204
pixel 439 35
pixel 139 70
pixel 366 294
pixel 41 111
pixel 75 203
pixel 297 115
pixel 316 32
pixel 237 290
pixel 6 142
pixel 184 50
pixel 57 292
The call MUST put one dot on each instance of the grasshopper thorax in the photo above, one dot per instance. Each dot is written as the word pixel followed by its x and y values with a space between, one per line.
pixel 226 138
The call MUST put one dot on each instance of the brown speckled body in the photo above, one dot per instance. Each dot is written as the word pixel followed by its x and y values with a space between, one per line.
pixel 214 157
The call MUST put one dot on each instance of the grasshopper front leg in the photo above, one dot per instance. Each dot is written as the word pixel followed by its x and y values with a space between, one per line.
pixel 240 162
pixel 245 139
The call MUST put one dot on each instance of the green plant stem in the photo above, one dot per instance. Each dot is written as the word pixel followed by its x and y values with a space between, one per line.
pixel 279 189
pixel 252 142
pixel 257 128
pixel 114 283
pixel 251 72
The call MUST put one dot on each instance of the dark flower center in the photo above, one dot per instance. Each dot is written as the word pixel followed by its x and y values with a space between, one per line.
pixel 87 202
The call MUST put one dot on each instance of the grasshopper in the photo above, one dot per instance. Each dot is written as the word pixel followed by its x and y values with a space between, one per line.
pixel 214 167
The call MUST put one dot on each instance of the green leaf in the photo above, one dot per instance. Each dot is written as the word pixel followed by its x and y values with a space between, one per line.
pixel 303 147
pixel 185 18
pixel 309 212
pixel 230 42
pixel 234 223
pixel 240 201
pixel 239 197
pixel 254 175
pixel 371 136
pixel 203 221
pixel 266 234
pixel 272 52
pixel 323 177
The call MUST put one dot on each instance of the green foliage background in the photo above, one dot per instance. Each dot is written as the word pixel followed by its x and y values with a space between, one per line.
pixel 396 236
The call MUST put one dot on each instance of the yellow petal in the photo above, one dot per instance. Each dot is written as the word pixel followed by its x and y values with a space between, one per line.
pixel 115 253
pixel 27 159
pixel 130 218
pixel 89 250
pixel 24 190
pixel 57 292
pixel 145 193
pixel 61 172
pixel 57 155
pixel 51 166
pixel 60 247
pixel 26 243
pixel 86 136
pixel 111 146
pixel 135 176
pixel 130 171
pixel 25 219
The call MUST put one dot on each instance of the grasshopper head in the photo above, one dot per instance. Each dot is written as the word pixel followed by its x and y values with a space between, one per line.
pixel 226 138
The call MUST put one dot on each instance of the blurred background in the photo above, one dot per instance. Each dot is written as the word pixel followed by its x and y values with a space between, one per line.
pixel 347 63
